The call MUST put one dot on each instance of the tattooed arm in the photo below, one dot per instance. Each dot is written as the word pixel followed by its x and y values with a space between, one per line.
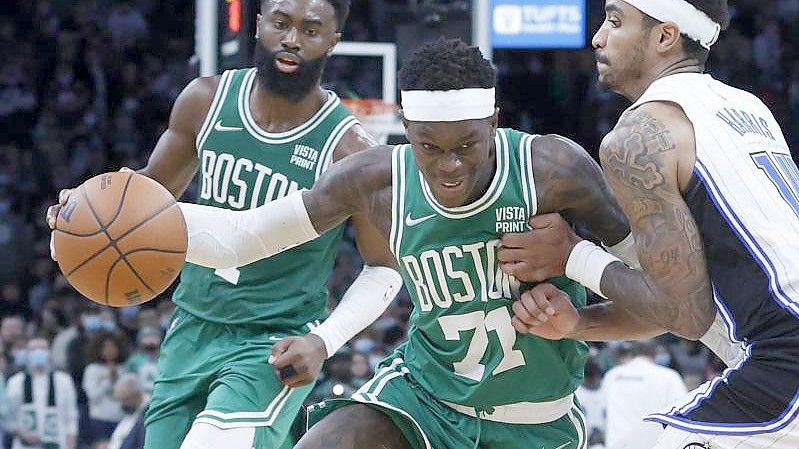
pixel 570 182
pixel 647 161
pixel 567 181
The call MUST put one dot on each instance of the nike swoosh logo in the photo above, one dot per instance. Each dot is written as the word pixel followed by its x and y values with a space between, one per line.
pixel 220 127
pixel 410 221
pixel 273 338
pixel 563 445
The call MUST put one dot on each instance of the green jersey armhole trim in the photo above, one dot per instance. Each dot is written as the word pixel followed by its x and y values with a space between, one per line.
pixel 214 110
pixel 326 154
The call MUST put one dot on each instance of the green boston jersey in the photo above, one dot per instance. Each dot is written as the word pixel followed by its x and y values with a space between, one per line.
pixel 243 167
pixel 461 345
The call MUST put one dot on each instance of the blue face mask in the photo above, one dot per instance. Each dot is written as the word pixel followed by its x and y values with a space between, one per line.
pixel 38 359
pixel 129 313
pixel 92 323
pixel 109 325
pixel 21 357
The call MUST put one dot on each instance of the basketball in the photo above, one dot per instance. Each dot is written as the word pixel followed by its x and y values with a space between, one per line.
pixel 120 239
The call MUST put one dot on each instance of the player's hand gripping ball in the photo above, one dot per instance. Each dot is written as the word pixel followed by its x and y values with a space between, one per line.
pixel 120 239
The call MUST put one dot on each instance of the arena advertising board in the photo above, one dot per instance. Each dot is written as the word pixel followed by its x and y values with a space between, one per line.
pixel 538 23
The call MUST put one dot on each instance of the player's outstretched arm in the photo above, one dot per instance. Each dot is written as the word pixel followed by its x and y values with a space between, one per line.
pixel 642 160
pixel 221 238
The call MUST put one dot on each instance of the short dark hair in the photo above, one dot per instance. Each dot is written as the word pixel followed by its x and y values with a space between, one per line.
pixel 95 349
pixel 446 64
pixel 341 8
pixel 718 12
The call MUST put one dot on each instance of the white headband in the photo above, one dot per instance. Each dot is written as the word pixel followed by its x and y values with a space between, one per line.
pixel 693 22
pixel 447 105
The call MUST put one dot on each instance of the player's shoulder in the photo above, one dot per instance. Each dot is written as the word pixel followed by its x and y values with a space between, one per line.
pixel 664 121
pixel 555 144
pixel 356 139
pixel 370 168
pixel 652 116
pixel 193 103
pixel 202 87
pixel 555 152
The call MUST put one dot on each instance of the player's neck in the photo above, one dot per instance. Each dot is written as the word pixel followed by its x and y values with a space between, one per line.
pixel 658 71
pixel 275 113
pixel 484 177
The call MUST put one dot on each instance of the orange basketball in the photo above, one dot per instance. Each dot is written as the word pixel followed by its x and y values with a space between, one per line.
pixel 120 239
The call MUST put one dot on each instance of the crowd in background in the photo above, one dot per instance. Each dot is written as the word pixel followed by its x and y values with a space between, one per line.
pixel 86 86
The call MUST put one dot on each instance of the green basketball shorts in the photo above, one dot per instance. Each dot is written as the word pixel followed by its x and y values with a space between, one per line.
pixel 429 424
pixel 218 374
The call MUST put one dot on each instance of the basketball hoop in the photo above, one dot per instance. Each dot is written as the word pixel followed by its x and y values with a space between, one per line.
pixel 380 119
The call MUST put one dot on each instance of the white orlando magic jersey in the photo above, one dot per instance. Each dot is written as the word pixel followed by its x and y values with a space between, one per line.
pixel 744 196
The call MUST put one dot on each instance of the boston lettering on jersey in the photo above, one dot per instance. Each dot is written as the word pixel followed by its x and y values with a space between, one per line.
pixel 243 166
pixel 222 181
pixel 441 277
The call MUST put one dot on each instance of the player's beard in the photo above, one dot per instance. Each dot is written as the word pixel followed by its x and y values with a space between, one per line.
pixel 621 73
pixel 293 86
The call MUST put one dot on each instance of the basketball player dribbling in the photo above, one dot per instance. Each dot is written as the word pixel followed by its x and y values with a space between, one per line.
pixel 705 175
pixel 256 135
pixel 464 378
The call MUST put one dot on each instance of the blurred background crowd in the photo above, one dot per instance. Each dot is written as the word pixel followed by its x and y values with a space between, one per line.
pixel 86 87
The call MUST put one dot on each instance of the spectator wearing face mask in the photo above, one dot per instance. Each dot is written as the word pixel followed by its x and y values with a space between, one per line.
pixel 92 323
pixel 42 403
pixel 144 362
pixel 18 350
pixel 106 354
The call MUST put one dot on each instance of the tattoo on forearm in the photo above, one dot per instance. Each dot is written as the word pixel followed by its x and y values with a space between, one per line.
pixel 637 160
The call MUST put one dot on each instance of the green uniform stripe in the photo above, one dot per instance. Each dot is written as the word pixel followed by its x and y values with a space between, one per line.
pixel 528 183
pixel 398 197
pixel 268 415
pixel 326 154
pixel 281 137
pixel 216 107
pixel 528 169
pixel 370 386
pixel 575 416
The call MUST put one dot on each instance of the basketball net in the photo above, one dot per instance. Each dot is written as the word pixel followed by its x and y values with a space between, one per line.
pixel 378 118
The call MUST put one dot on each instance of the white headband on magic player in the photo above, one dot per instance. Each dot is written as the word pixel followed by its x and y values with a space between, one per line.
pixel 448 105
pixel 693 22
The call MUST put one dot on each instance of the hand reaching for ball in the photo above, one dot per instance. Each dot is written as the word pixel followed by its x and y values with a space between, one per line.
pixel 119 238
pixel 52 213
